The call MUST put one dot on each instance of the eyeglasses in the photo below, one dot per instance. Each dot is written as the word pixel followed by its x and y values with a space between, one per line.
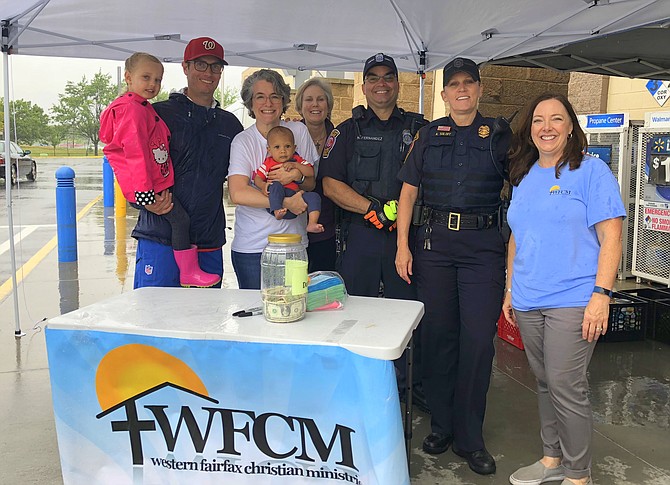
pixel 262 98
pixel 374 79
pixel 215 67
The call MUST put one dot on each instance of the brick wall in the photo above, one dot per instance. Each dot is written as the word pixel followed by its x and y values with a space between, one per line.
pixel 508 89
pixel 588 92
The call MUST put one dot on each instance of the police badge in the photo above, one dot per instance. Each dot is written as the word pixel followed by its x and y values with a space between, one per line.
pixel 483 131
pixel 406 137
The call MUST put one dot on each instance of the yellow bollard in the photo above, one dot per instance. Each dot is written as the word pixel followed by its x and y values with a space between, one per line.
pixel 119 200
pixel 121 250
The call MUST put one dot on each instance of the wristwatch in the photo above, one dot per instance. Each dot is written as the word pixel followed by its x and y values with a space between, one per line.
pixel 603 291
pixel 301 181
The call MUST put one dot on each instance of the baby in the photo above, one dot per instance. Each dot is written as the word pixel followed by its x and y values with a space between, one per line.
pixel 282 156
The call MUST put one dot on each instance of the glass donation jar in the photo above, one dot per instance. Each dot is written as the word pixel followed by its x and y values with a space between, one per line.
pixel 284 278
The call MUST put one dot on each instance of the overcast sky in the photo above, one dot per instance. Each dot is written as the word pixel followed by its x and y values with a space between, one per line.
pixel 42 79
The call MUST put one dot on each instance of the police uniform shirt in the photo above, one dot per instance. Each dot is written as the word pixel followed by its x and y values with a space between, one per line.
pixel 464 178
pixel 339 148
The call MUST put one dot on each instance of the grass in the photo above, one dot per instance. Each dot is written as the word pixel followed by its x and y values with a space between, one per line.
pixel 60 152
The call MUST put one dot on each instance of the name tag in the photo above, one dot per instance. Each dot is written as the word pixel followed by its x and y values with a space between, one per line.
pixel 371 138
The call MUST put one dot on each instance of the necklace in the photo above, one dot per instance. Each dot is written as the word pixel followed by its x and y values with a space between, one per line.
pixel 319 140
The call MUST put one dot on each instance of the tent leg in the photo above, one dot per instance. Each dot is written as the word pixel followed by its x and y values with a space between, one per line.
pixel 8 190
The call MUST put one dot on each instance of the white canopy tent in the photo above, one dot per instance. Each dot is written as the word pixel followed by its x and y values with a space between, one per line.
pixel 421 35
pixel 317 34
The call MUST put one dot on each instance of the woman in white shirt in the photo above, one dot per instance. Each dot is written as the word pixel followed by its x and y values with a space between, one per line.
pixel 266 96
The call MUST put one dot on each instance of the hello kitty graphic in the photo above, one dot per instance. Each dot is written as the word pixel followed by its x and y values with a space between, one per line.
pixel 161 157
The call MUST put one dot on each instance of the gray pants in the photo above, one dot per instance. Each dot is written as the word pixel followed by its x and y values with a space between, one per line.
pixel 559 358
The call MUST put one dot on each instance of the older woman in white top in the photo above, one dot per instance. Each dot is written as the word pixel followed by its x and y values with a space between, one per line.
pixel 266 96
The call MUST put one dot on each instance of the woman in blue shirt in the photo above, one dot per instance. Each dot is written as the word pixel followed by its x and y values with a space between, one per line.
pixel 566 217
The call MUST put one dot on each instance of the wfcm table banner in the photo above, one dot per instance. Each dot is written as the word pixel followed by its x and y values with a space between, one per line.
pixel 134 409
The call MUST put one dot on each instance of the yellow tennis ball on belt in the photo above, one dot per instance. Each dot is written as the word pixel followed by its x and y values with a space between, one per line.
pixel 391 210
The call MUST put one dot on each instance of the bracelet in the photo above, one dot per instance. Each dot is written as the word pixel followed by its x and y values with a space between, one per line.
pixel 509 290
pixel 603 291
pixel 301 181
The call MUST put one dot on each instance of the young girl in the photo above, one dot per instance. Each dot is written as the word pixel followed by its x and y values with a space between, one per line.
pixel 137 142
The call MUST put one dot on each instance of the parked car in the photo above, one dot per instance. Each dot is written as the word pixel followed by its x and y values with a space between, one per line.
pixel 22 164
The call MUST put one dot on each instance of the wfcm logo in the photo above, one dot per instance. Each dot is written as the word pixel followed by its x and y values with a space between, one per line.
pixel 132 373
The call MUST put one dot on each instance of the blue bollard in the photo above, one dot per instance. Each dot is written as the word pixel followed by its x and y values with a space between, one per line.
pixel 107 183
pixel 66 215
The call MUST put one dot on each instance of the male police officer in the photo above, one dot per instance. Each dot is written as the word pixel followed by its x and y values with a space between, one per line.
pixel 360 165
pixel 459 161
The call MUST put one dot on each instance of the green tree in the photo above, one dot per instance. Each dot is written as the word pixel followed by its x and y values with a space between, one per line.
pixel 79 108
pixel 161 96
pixel 28 121
pixel 230 95
pixel 55 135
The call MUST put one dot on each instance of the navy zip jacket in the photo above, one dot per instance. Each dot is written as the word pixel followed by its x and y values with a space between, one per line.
pixel 200 151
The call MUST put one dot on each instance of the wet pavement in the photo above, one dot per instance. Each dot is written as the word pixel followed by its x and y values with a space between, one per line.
pixel 630 381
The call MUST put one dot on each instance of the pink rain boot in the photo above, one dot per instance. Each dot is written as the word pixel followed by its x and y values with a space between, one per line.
pixel 190 273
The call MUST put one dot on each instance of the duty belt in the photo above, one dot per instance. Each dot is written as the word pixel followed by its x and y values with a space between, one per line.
pixel 457 221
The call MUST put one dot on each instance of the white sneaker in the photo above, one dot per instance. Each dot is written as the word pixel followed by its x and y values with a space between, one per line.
pixel 537 474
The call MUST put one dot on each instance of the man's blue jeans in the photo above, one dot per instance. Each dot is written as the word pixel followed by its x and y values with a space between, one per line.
pixel 155 264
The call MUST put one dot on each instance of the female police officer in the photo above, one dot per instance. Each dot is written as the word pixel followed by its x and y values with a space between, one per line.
pixel 458 165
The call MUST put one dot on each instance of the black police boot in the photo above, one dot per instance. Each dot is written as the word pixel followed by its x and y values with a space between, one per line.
pixel 479 461
pixel 436 443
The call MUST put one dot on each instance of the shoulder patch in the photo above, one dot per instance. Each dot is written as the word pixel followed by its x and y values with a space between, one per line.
pixel 416 137
pixel 330 143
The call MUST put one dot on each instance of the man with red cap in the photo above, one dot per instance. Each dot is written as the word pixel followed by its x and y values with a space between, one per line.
pixel 201 133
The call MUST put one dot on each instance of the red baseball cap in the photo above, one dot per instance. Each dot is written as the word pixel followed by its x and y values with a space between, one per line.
pixel 203 46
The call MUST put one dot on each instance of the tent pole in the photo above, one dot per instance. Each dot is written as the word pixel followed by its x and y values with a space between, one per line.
pixel 422 83
pixel 8 189
pixel 422 78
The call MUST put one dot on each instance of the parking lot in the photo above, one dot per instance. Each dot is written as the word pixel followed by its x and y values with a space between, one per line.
pixel 630 383
pixel 34 206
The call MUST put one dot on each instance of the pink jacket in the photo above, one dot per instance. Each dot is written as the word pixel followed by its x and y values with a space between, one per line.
pixel 137 143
